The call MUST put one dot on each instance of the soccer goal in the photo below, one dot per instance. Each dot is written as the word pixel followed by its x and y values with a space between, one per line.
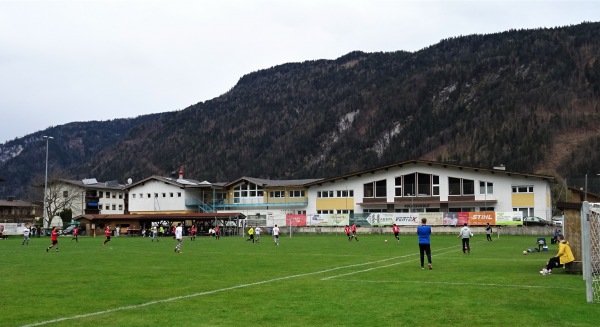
pixel 590 243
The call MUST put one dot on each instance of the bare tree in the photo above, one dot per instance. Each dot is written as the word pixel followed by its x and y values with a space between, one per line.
pixel 62 195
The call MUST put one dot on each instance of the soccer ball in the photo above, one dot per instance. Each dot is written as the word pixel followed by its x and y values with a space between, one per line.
pixel 525 252
pixel 385 241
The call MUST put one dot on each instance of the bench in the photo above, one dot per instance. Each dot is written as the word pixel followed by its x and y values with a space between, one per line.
pixel 574 267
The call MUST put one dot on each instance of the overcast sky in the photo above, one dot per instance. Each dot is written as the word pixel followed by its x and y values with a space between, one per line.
pixel 82 60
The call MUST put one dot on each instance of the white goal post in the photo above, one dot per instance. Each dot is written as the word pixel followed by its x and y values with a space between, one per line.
pixel 590 244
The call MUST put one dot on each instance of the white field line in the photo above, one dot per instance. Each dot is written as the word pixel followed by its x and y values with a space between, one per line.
pixel 462 284
pixel 130 307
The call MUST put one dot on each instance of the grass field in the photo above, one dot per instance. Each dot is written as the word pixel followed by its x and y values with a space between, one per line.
pixel 308 280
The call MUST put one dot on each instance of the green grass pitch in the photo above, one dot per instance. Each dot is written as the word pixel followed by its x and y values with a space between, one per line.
pixel 308 280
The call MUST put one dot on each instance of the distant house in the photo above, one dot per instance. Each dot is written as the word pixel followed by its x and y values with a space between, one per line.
pixel 17 211
pixel 88 196
pixel 158 194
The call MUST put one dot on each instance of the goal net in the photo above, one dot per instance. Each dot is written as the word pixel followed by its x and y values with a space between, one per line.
pixel 590 243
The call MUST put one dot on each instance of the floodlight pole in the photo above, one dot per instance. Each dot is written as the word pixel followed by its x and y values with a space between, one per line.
pixel 47 138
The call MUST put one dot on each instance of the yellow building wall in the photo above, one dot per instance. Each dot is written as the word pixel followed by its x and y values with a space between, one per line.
pixel 335 204
pixel 523 200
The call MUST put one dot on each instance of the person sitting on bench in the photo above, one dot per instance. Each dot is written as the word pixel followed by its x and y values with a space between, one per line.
pixel 564 256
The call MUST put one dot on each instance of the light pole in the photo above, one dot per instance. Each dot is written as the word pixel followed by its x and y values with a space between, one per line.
pixel 47 138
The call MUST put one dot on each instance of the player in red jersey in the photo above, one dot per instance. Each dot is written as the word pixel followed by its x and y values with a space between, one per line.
pixel 347 231
pixel 54 238
pixel 107 234
pixel 75 234
pixel 217 232
pixel 396 231
pixel 193 233
pixel 354 232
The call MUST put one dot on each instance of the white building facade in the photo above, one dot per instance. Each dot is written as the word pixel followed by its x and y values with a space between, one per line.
pixel 423 186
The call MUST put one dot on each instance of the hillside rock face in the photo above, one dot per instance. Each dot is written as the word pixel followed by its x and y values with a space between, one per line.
pixel 528 99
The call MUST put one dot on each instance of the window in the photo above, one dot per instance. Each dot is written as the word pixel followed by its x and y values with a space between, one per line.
pixel 522 189
pixel 141 195
pixel 424 184
pixel 468 187
pixel 368 191
pixel 526 211
pixel 345 211
pixel 248 190
pixel 164 195
pixel 120 207
pixel 65 194
pixel 114 207
pixel 133 195
pixel 409 186
pixel 417 184
pixel 435 186
pixel 459 186
pixel 398 185
pixel 108 195
pixel 100 194
pixel 277 194
pixel 120 195
pixel 486 187
pixel 380 189
pixel 178 194
pixel 324 212
pixel 345 193
pixel 297 194
pixel 107 207
pixel 374 210
pixel 155 195
pixel 325 194
pixel 375 189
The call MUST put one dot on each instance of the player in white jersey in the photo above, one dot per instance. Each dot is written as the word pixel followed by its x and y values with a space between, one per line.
pixel 26 233
pixel 275 232
pixel 178 237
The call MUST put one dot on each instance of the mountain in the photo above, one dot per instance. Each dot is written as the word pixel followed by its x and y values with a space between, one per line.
pixel 528 99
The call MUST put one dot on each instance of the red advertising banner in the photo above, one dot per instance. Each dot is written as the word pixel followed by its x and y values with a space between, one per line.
pixel 296 219
pixel 463 218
